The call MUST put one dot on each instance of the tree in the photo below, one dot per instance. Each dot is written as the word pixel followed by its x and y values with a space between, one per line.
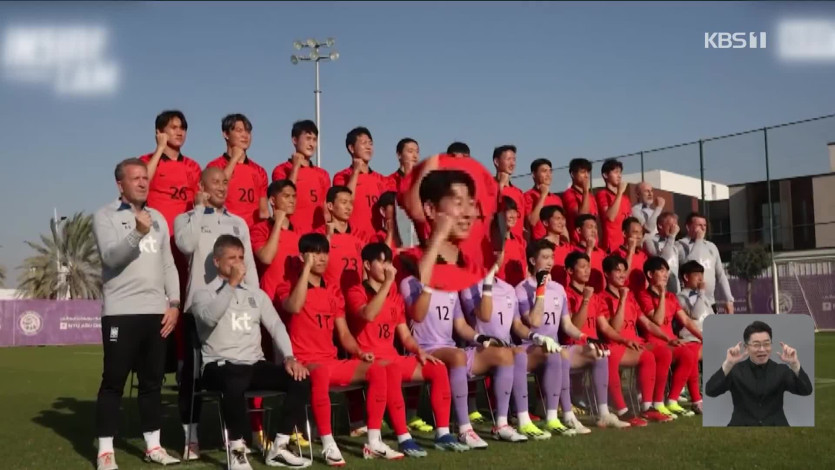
pixel 747 264
pixel 42 276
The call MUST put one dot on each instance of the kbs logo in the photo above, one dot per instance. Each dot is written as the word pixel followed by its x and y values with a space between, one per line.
pixel 735 40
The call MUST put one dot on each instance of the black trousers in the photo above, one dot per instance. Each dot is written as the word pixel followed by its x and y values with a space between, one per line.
pixel 234 379
pixel 131 342
pixel 187 374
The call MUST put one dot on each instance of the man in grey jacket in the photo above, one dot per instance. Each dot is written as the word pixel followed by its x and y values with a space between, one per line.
pixel 647 209
pixel 141 303
pixel 696 248
pixel 228 313
pixel 195 233
pixel 663 244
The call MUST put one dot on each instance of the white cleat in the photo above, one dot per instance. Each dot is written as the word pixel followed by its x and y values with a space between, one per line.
pixel 160 456
pixel 577 426
pixel 279 456
pixel 379 450
pixel 472 440
pixel 507 433
pixel 611 421
pixel 191 452
pixel 332 456
pixel 106 461
pixel 239 460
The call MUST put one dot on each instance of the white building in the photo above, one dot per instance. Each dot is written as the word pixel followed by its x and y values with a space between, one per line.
pixel 675 183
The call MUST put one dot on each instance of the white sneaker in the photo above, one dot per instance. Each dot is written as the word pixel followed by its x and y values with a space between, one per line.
pixel 106 461
pixel 472 440
pixel 239 460
pixel 160 456
pixel 191 452
pixel 611 421
pixel 577 426
pixel 332 456
pixel 279 456
pixel 379 450
pixel 507 433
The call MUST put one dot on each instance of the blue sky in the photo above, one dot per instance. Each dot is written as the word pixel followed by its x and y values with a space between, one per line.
pixel 557 79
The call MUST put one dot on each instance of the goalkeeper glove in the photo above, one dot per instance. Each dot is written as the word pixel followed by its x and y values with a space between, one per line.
pixel 546 342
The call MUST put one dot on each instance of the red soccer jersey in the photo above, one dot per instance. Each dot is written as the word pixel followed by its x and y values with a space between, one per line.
pixel 246 188
pixel 649 300
pixel 393 180
pixel 376 336
pixel 312 185
pixel 531 198
pixel 571 200
pixel 311 329
pixel 514 266
pixel 575 300
pixel 445 276
pixel 344 261
pixel 380 237
pixel 596 279
pixel 558 273
pixel 288 246
pixel 172 189
pixel 519 198
pixel 636 280
pixel 631 313
pixel 612 230
pixel 370 186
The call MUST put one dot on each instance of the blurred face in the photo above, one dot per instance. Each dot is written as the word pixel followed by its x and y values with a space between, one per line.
pixel 556 224
pixel 645 193
pixel 216 185
pixel 581 271
pixel 377 269
pixel 659 278
pixel 388 212
pixel 459 206
pixel 320 263
pixel 759 347
pixel 635 231
pixel 306 144
pixel 542 175
pixel 363 148
pixel 693 280
pixel 409 157
pixel 696 224
pixel 511 217
pixel 588 230
pixel 665 227
pixel 342 207
pixel 134 184
pixel 544 260
pixel 230 257
pixel 238 136
pixel 285 200
pixel 176 133
pixel 617 278
pixel 506 163
pixel 613 177
pixel 580 177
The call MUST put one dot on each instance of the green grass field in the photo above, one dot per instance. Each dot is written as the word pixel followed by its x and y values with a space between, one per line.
pixel 47 401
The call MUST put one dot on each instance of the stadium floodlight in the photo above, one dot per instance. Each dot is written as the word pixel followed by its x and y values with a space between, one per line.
pixel 316 56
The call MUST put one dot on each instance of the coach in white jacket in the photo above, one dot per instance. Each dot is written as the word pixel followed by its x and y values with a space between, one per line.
pixel 695 247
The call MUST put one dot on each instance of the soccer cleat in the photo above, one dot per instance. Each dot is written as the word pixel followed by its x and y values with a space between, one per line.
pixel 359 431
pixel 160 456
pixel 531 430
pixel 663 410
pixel 655 416
pixel 577 426
pixel 298 439
pixel 556 426
pixel 684 397
pixel 279 456
pixel 106 461
pixel 476 417
pixel 420 425
pixel 697 408
pixel 611 421
pixel 411 448
pixel 379 450
pixel 191 452
pixel 507 433
pixel 239 460
pixel 332 456
pixel 472 440
pixel 677 409
pixel 448 442
pixel 636 422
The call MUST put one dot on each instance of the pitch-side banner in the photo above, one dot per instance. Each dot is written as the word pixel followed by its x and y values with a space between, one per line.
pixel 49 322
pixel 814 294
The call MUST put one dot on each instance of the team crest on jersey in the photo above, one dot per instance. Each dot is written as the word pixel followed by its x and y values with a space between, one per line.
pixel 452 298
pixel 252 302
pixel 509 302
pixel 237 231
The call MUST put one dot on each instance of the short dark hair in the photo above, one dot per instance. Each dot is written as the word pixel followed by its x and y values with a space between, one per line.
pixel 582 218
pixel 694 215
pixel 624 226
pixel 305 126
pixel 224 242
pixel 353 135
pixel 536 246
pixel 333 191
pixel 578 164
pixel 314 243
pixel 548 211
pixel 458 147
pixel 229 121
pixel 612 262
pixel 665 215
pixel 388 198
pixel 437 185
pixel 655 263
pixel 756 327
pixel 574 257
pixel 498 151
pixel 690 267
pixel 119 172
pixel 166 116
pixel 278 185
pixel 509 204
pixel 538 163
pixel 609 165
pixel 401 144
pixel 373 251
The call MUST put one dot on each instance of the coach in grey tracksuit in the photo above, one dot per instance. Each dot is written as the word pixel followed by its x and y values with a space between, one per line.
pixel 141 300
pixel 228 313
pixel 695 247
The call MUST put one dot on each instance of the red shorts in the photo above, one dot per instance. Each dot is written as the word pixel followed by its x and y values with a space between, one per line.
pixel 407 365
pixel 340 371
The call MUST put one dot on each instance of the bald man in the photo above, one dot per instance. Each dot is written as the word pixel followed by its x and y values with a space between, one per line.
pixel 647 210
pixel 195 233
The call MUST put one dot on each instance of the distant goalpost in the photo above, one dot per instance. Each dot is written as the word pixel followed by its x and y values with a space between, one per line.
pixel 805 284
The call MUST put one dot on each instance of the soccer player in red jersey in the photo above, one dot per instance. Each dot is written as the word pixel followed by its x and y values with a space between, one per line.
pixel 384 220
pixel 504 159
pixel 344 262
pixel 586 232
pixel 365 184
pixel 586 309
pixel 553 218
pixel 275 241
pixel 662 307
pixel 376 315
pixel 614 205
pixel 458 150
pixel 311 182
pixel 539 196
pixel 633 252
pixel 622 317
pixel 408 154
pixel 578 199
pixel 247 179
pixel 316 311
pixel 514 266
